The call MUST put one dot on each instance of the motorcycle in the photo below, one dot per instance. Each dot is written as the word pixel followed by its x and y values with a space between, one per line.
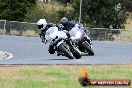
pixel 81 40
pixel 61 43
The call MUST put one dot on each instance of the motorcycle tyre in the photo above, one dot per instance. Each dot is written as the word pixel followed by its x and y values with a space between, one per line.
pixel 65 51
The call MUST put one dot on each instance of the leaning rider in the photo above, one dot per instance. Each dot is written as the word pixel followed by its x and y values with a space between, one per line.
pixel 70 24
pixel 67 24
pixel 44 26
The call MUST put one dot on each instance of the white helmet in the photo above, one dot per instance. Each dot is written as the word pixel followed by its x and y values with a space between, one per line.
pixel 42 24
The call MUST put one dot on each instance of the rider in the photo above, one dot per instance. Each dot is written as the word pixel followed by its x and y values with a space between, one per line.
pixel 70 24
pixel 44 26
pixel 67 24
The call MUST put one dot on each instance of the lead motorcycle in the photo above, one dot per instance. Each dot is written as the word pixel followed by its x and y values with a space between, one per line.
pixel 61 42
pixel 81 40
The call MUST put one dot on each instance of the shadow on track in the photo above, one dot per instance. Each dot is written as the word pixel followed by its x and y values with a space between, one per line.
pixel 85 54
pixel 58 59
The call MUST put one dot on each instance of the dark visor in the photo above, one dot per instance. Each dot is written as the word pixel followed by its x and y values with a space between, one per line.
pixel 40 26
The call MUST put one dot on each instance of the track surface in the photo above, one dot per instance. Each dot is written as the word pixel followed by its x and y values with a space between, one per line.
pixel 30 50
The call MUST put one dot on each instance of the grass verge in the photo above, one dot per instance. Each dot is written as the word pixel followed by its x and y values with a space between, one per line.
pixel 125 35
pixel 1 32
pixel 60 76
pixel 27 33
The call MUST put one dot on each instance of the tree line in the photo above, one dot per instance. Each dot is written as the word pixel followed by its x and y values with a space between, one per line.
pixel 95 13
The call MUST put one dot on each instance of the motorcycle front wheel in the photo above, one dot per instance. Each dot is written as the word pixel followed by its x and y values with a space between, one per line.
pixel 63 49
pixel 87 48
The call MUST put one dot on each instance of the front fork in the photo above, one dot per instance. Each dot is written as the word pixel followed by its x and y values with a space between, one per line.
pixel 88 40
pixel 71 47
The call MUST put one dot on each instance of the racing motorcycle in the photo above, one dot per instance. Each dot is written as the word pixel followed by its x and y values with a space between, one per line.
pixel 81 40
pixel 61 42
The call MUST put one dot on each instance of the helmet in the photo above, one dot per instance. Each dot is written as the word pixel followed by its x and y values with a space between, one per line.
pixel 64 20
pixel 42 24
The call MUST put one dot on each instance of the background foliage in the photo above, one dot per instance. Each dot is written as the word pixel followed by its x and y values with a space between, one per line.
pixel 96 13
pixel 103 13
pixel 41 12
pixel 15 9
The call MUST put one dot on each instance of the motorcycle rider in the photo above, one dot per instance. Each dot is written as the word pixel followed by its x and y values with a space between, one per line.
pixel 70 24
pixel 44 26
pixel 67 24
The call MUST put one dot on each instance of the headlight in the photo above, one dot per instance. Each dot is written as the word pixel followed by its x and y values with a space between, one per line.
pixel 78 34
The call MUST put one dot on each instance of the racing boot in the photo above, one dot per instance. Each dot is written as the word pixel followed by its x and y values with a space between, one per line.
pixel 51 49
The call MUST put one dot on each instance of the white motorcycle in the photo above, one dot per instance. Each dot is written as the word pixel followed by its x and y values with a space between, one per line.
pixel 61 43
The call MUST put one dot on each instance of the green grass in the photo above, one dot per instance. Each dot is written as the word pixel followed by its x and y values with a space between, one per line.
pixel 29 83
pixel 60 76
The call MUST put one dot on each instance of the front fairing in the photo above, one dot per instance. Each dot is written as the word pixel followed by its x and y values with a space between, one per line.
pixel 52 35
pixel 76 33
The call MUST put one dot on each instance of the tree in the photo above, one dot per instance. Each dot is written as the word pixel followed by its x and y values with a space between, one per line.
pixel 102 13
pixel 15 9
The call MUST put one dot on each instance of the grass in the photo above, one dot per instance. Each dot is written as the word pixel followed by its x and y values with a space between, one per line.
pixel 54 5
pixel 59 76
pixel 1 31
pixel 27 33
pixel 125 35
pixel 128 25
pixel 30 33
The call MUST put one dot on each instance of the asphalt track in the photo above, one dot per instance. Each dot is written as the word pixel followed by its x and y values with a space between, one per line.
pixel 30 50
